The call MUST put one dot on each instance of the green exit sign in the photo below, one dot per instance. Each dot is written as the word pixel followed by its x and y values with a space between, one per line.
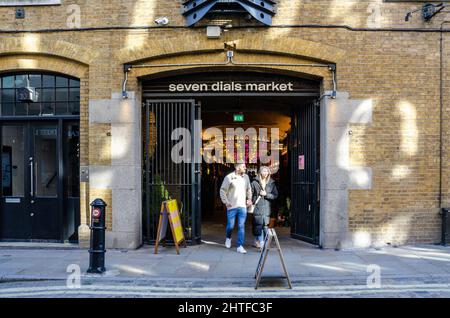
pixel 238 117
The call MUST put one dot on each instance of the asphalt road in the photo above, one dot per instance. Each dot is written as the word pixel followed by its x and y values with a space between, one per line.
pixel 241 290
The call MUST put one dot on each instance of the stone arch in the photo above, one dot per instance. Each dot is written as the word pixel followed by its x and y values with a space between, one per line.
pixel 177 52
pixel 22 62
pixel 46 63
pixel 198 44
pixel 35 44
pixel 196 48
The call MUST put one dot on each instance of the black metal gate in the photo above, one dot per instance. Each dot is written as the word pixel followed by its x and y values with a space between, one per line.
pixel 163 178
pixel 305 172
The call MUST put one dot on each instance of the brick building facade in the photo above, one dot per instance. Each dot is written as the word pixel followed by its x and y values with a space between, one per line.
pixel 381 180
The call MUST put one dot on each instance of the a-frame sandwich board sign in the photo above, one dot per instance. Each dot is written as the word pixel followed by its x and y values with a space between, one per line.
pixel 270 237
pixel 170 215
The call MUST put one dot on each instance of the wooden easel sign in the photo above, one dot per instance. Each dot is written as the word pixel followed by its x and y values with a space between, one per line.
pixel 169 214
pixel 270 237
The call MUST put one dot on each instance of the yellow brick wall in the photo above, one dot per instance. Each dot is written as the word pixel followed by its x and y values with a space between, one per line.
pixel 101 13
pixel 398 71
pixel 100 144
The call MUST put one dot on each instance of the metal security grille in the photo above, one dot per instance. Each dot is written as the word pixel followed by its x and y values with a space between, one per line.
pixel 305 173
pixel 163 178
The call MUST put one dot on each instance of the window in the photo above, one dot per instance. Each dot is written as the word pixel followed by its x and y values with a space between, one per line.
pixel 57 95
pixel 13 162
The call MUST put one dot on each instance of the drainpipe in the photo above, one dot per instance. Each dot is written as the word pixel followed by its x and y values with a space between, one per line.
pixel 441 107
pixel 126 70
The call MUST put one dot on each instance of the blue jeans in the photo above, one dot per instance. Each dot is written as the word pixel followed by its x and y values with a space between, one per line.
pixel 260 226
pixel 241 214
pixel 260 238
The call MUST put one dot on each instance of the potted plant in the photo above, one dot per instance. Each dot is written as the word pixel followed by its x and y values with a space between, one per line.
pixel 284 212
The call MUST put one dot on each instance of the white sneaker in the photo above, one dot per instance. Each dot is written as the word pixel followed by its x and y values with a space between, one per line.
pixel 228 243
pixel 241 250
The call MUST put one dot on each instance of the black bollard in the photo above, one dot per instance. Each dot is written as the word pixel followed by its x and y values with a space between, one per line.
pixel 445 226
pixel 97 250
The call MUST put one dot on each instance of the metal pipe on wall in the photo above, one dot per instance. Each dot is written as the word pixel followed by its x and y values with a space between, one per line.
pixel 441 107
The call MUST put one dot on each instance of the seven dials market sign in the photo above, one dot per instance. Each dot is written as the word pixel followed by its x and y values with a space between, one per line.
pixel 231 87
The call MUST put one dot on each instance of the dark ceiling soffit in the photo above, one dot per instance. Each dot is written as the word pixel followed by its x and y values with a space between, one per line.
pixel 261 10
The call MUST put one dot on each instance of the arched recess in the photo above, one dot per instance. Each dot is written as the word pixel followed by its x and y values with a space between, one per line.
pixel 14 57
pixel 36 45
pixel 198 44
pixel 183 54
pixel 195 48
pixel 23 62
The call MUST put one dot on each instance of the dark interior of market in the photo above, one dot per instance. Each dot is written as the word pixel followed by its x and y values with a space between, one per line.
pixel 245 113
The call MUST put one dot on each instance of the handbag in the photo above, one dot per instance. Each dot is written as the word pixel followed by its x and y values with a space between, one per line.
pixel 251 208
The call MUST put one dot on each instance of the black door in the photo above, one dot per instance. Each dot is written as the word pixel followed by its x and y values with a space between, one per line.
pixel 31 185
pixel 165 178
pixel 305 173
pixel 71 185
pixel 44 182
pixel 15 204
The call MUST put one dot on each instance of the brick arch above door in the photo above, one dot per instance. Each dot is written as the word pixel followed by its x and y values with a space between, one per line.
pixel 198 44
pixel 35 44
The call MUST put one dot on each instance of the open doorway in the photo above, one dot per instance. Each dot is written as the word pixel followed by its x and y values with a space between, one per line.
pixel 170 105
pixel 258 113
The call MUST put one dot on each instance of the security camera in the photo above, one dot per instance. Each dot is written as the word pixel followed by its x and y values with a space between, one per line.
pixel 162 21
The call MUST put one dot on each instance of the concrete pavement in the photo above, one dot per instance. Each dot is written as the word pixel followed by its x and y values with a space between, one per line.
pixel 211 265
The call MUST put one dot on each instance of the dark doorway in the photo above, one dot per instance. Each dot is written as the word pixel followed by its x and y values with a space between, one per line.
pixel 247 113
pixel 295 212
pixel 40 144
pixel 40 188
pixel 297 176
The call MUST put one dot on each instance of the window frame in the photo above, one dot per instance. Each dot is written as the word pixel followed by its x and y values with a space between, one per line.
pixel 69 88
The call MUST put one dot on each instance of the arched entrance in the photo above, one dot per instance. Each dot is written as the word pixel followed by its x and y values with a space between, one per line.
pixel 40 140
pixel 230 98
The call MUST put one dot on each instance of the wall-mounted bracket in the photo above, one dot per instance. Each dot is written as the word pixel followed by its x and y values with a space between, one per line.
pixel 262 10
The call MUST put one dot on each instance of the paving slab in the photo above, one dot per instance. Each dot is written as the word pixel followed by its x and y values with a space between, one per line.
pixel 210 262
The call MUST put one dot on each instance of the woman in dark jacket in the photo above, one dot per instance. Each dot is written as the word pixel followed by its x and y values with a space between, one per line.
pixel 263 187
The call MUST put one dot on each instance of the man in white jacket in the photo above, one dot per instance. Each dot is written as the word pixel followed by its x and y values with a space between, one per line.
pixel 236 194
